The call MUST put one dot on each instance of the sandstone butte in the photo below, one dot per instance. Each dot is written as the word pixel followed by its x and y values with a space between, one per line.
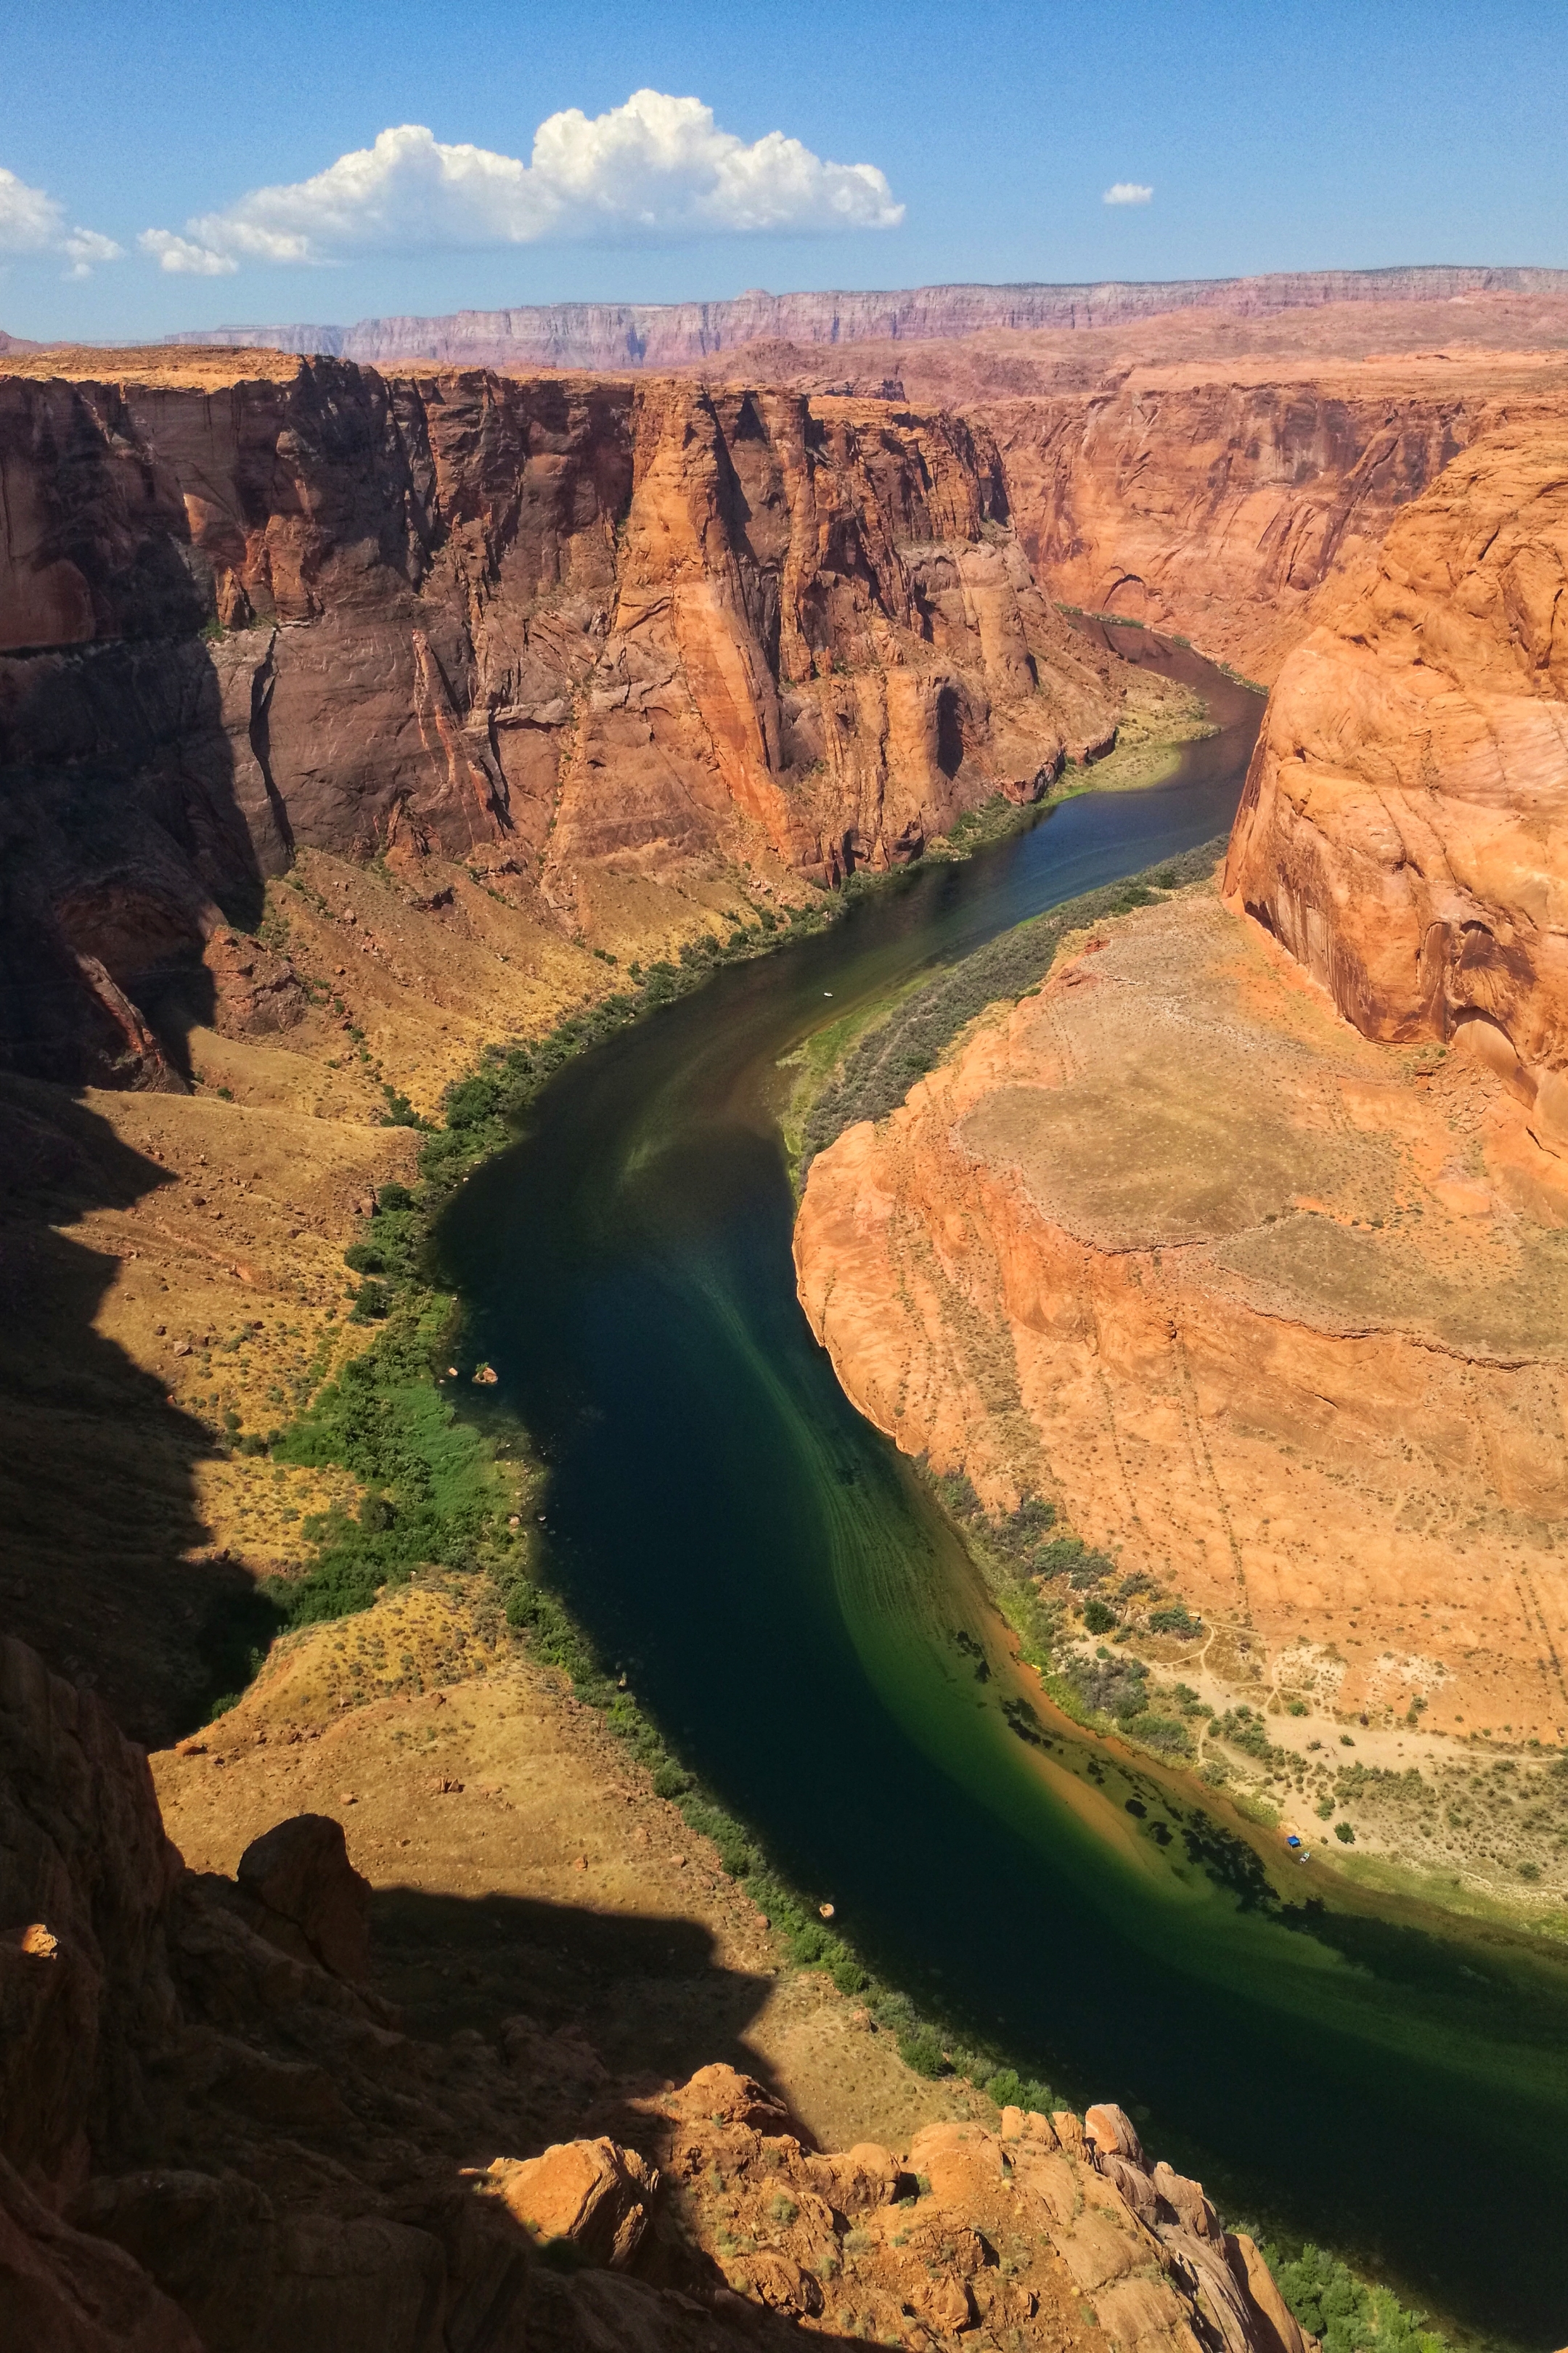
pixel 216 2135
pixel 1244 1237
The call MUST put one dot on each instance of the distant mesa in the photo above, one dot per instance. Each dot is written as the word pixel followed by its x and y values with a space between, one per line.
pixel 673 334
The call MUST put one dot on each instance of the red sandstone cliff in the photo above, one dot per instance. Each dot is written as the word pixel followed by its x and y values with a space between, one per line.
pixel 1401 832
pixel 566 631
pixel 1275 1308
pixel 1206 470
pixel 1216 504
pixel 1274 1313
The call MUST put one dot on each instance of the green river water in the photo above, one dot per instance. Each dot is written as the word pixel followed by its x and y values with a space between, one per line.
pixel 809 1633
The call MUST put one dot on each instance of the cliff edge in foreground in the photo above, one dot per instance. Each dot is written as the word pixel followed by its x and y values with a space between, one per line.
pixel 216 2138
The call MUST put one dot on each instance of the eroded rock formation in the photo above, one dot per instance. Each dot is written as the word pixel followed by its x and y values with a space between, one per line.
pixel 1402 832
pixel 1217 503
pixel 587 638
pixel 208 2145
pixel 1206 471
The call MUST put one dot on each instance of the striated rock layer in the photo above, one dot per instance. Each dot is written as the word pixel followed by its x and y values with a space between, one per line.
pixel 1405 827
pixel 1217 503
pixel 585 637
pixel 215 2137
pixel 1205 471
pixel 669 334
pixel 1274 1313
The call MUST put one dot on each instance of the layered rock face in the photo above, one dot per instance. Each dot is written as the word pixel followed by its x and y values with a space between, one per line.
pixel 1274 1313
pixel 1402 832
pixel 556 632
pixel 672 334
pixel 215 2138
pixel 1206 471
pixel 1217 504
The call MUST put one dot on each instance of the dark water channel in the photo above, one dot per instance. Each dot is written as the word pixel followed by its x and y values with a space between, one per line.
pixel 804 1626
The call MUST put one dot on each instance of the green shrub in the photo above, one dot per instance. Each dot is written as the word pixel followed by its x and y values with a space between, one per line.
pixel 1346 2313
pixel 1175 1618
pixel 1099 1617
pixel 468 1102
pixel 923 2051
pixel 1344 1833
pixel 671 1780
pixel 1165 1733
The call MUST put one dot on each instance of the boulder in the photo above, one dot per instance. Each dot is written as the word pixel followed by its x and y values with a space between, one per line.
pixel 962 2162
pixel 718 2094
pixel 1186 2202
pixel 1110 2132
pixel 591 2195
pixel 62 2291
pixel 300 1877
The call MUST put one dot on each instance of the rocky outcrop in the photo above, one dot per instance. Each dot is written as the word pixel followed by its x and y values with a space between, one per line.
pixel 1273 1314
pixel 210 2146
pixel 565 632
pixel 1024 2232
pixel 671 334
pixel 1401 829
pixel 588 2195
pixel 1216 503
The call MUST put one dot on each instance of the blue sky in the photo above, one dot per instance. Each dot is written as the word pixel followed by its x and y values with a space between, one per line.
pixel 1269 137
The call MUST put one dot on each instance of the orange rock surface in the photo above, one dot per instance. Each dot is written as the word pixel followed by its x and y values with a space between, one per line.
pixel 1205 470
pixel 1274 1313
pixel 1405 829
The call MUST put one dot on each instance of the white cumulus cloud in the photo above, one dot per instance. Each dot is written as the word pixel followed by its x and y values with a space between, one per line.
pixel 182 257
pixel 657 166
pixel 32 222
pixel 1127 191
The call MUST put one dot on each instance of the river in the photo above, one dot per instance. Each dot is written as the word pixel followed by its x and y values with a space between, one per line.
pixel 805 1628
